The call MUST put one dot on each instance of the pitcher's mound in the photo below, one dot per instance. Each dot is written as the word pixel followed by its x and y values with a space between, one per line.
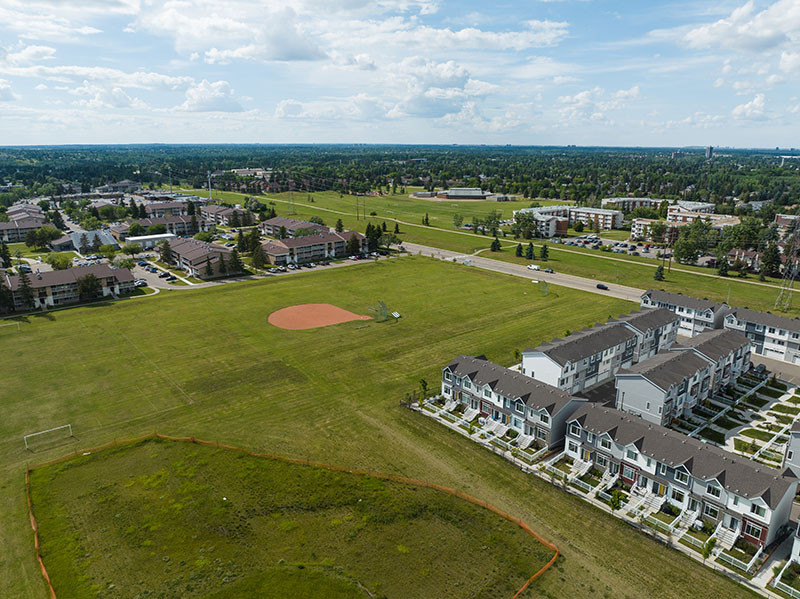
pixel 311 316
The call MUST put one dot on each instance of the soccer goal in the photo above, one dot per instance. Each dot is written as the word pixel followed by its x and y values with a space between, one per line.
pixel 57 433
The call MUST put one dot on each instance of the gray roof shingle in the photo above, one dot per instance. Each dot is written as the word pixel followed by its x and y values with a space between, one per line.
pixel 716 344
pixel 585 343
pixel 668 368
pixel 647 319
pixel 678 299
pixel 767 319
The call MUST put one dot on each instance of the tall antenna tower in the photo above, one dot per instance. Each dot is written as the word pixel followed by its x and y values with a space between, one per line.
pixel 784 300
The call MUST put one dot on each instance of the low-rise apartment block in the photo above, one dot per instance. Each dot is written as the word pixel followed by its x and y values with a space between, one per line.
pixel 731 493
pixel 311 248
pixel 272 226
pixel 60 287
pixel 193 256
pixel 772 336
pixel 14 231
pixel 591 217
pixel 527 406
pixel 177 225
pixel 697 315
pixel 224 215
pixel 161 209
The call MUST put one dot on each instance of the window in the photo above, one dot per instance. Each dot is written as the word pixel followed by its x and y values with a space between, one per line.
pixel 710 511
pixel 662 469
pixel 601 461
pixel 681 477
pixel 630 454
pixel 789 456
pixel 447 390
pixel 735 500
pixel 447 376
pixel 487 392
pixel 589 438
pixel 678 495
pixel 541 433
pixel 605 443
pixel 713 490
pixel 751 530
pixel 758 510
pixel 628 472
pixel 575 430
pixel 647 406
pixel 649 462
pixel 659 409
pixel 573 447
pixel 467 384
pixel 544 418
pixel 519 407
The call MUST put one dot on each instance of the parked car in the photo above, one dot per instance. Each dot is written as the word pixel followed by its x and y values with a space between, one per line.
pixel 163 275
pixel 272 270
pixel 534 267
pixel 549 270
pixel 171 278
pixel 602 286
pixel 142 263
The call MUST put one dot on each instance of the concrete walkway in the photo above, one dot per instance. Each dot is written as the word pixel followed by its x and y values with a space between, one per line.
pixel 780 554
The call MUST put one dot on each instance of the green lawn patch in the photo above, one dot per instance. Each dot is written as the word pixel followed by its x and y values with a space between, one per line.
pixel 770 392
pixel 726 423
pixel 712 435
pixel 786 409
pixel 757 434
pixel 755 402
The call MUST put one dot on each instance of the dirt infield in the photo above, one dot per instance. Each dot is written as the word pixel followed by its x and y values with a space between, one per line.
pixel 311 316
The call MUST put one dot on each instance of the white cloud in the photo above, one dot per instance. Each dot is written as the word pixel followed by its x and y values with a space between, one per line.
pixel 752 110
pixel 27 55
pixel 98 96
pixel 592 104
pixel 74 73
pixel 360 107
pixel 790 62
pixel 210 97
pixel 6 93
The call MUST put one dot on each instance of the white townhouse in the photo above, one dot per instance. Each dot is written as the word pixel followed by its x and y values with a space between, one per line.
pixel 603 217
pixel 736 496
pixel 772 336
pixel 697 315
pixel 583 359
pixel 655 330
pixel 534 410
pixel 791 459
pixel 728 350
pixel 666 386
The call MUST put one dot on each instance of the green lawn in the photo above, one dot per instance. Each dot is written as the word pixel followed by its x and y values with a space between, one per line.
pixel 620 269
pixel 248 519
pixel 208 364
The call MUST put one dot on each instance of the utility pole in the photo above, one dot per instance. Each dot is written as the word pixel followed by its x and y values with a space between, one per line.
pixel 170 179
pixel 210 198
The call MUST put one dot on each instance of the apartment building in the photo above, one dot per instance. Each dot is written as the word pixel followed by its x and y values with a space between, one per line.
pixel 14 231
pixel 772 336
pixel 324 245
pixel 177 225
pixel 223 215
pixel 630 204
pixel 272 226
pixel 604 218
pixel 697 315
pixel 785 223
pixel 192 256
pixel 655 330
pixel 735 495
pixel 60 287
pixel 676 214
pixel 531 408
pixel 161 209
pixel 583 359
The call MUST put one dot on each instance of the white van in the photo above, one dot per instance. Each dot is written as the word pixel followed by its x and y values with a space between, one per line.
pixel 533 267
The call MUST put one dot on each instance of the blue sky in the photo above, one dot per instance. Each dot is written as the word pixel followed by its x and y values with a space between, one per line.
pixel 586 72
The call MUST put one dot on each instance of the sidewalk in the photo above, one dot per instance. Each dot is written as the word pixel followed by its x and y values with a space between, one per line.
pixel 765 574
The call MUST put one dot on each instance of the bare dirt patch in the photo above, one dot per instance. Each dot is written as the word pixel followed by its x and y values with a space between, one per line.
pixel 312 316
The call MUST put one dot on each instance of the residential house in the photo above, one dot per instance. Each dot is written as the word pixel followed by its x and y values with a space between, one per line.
pixel 737 496
pixel 536 411
pixel 60 287
pixel 655 330
pixel 272 226
pixel 772 336
pixel 583 359
pixel 697 315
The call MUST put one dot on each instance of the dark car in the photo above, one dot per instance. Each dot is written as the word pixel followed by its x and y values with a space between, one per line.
pixel 163 275
pixel 602 286
pixel 550 270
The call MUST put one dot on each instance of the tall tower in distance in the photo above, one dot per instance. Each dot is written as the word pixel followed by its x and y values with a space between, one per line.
pixel 709 152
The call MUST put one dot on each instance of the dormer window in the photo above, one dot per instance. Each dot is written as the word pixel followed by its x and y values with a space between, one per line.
pixel 605 443
pixel 681 477
pixel 758 510
pixel 713 490
pixel 575 430
pixel 631 454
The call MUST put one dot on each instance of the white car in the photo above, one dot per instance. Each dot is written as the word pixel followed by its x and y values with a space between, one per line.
pixel 533 267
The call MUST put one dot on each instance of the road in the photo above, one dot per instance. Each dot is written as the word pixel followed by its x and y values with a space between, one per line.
pixel 619 291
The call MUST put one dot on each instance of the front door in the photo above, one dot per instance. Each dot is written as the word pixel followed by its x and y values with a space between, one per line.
pixel 586 455
pixel 658 488
pixel 733 524
pixel 693 505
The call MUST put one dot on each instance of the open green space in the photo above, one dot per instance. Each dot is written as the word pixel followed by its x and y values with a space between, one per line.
pixel 197 521
pixel 619 269
pixel 208 364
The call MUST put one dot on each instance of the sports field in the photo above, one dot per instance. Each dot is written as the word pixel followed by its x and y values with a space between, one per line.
pixel 620 269
pixel 208 364
pixel 198 520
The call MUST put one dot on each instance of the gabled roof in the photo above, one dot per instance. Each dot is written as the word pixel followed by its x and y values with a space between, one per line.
pixel 737 474
pixel 647 319
pixel 71 275
pixel 678 299
pixel 585 343
pixel 511 384
pixel 767 319
pixel 668 368
pixel 716 344
pixel 195 250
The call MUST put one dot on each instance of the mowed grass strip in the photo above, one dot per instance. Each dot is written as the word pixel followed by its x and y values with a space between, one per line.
pixel 207 363
pixel 197 520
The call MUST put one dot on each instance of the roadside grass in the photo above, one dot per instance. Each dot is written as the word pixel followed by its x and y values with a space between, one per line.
pixel 196 519
pixel 208 364
pixel 632 271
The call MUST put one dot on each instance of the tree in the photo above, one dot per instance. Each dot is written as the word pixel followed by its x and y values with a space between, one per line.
pixel 722 269
pixel 157 229
pixel 89 286
pixel 771 260
pixel 659 274
pixel 236 262
pixel 530 253
pixel 259 260
pixel 657 231
pixel 317 220
pixel 31 239
pixel 5 255
pixel 56 219
pixel 235 221
pixel 207 270
pixel 373 235
pixel 136 230
pixel 204 236
pixel 383 227
pixel 339 226
pixel 426 220
pixel 518 252
pixel 6 297
pixel 165 252
pixel 388 239
pixel 109 251
pixel 241 242
pixel 397 229
pixel 423 388
pixel 190 209
pixel 663 209
pixel 59 261
pixel 83 244
pixel 644 212
pixel 193 223
pixel 708 547
pixel 544 253
pixel 740 267
pixel 353 246
pixel 223 267
pixel 253 240
pixel 282 234
pixel 96 243
pixel 142 211
pixel 578 227
pixel 458 220
pixel 616 500
pixel 131 249
pixel 495 247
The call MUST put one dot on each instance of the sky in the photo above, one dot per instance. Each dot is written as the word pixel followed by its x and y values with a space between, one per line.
pixel 522 72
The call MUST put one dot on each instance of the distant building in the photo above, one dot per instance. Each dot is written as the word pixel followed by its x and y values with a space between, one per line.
pixel 785 223
pixel 160 209
pixel 178 225
pixel 119 187
pixel 94 239
pixel 602 217
pixel 272 226
pixel 464 193
pixel 15 231
pixel 224 215
pixel 148 242
pixel 709 152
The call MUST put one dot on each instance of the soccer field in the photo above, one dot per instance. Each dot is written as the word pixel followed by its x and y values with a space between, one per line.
pixel 207 363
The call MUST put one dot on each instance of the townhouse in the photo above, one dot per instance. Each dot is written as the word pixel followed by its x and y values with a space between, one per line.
pixel 225 215
pixel 736 496
pixel 655 330
pixel 272 226
pixel 60 287
pixel 583 359
pixel 772 336
pixel 538 412
pixel 323 245
pixel 193 256
pixel 161 209
pixel 696 315
pixel 728 351
pixel 791 456
pixel 177 225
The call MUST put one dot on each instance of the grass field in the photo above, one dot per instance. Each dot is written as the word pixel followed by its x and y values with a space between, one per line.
pixel 208 364
pixel 632 271
pixel 201 521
